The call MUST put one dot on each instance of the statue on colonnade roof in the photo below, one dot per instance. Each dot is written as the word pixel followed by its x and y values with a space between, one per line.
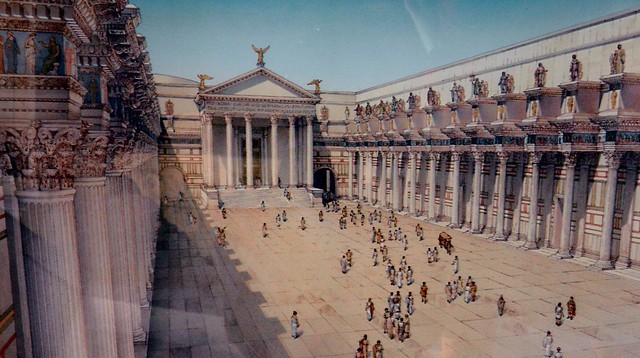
pixel 617 59
pixel 260 52
pixel 575 69
pixel 540 76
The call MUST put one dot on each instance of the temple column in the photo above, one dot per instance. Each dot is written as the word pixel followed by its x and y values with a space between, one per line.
pixel 382 181
pixel 395 172
pixel 292 151
pixel 412 178
pixel 567 205
pixel 613 163
pixel 139 335
pixel 248 131
pixel 141 233
pixel 274 151
pixel 370 177
pixel 628 204
pixel 360 176
pixel 350 174
pixel 534 159
pixel 432 185
pixel 503 158
pixel 455 205
pixel 309 152
pixel 52 273
pixel 229 139
pixel 121 286
pixel 95 268
pixel 207 149
pixel 478 158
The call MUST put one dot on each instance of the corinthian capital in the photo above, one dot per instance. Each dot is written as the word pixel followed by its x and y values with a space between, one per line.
pixel 613 159
pixel 41 159
pixel 90 158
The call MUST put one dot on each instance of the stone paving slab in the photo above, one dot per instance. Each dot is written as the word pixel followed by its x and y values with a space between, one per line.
pixel 237 301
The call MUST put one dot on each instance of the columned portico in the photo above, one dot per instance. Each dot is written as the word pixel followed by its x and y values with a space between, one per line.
pixel 395 180
pixel 567 206
pixel 412 178
pixel 478 158
pixel 613 160
pixel 361 176
pixel 432 185
pixel 455 205
pixel 350 175
pixel 503 158
pixel 382 181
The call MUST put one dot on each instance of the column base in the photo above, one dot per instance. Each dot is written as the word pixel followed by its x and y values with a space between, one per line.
pixel 623 263
pixel 139 336
pixel 454 226
pixel 563 255
pixel 530 245
pixel 498 237
pixel 603 265
pixel 144 303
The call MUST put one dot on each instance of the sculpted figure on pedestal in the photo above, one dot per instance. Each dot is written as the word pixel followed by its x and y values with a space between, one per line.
pixel 411 101
pixel 368 109
pixel 454 93
pixel 401 105
pixel 52 58
pixel 359 110
pixel 575 69
pixel 394 104
pixel 202 79
pixel 433 97
pixel 380 108
pixel 347 113
pixel 316 82
pixel 260 52
pixel 540 76
pixel 616 60
pixel 506 83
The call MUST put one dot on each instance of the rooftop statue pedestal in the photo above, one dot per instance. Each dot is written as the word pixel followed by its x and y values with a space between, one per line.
pixel 543 104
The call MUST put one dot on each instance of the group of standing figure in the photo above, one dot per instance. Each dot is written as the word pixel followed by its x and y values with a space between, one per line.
pixel 10 52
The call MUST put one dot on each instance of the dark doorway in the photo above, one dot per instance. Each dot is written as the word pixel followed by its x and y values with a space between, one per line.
pixel 325 179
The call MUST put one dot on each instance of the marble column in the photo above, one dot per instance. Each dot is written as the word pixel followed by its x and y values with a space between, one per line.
pixel 95 267
pixel 628 205
pixel 141 233
pixel 248 131
pixel 274 151
pixel 434 157
pixel 350 175
pixel 360 176
pixel 229 139
pixel 292 151
pixel 503 158
pixel 412 178
pixel 478 158
pixel 120 277
pixel 382 181
pixel 534 159
pixel 139 335
pixel 395 181
pixel 369 182
pixel 613 163
pixel 567 206
pixel 455 205
pixel 52 273
pixel 309 152
pixel 207 149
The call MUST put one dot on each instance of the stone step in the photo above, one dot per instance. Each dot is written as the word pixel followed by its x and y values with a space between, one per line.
pixel 273 198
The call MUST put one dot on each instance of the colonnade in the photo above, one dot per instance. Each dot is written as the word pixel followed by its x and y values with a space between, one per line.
pixel 298 162
pixel 409 158
pixel 88 220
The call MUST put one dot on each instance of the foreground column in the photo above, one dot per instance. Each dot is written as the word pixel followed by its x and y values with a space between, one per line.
pixel 274 151
pixel 52 273
pixel 628 205
pixel 249 149
pixel 531 243
pixel 432 186
pixel 503 158
pixel 360 176
pixel 382 181
pixel 229 139
pixel 395 172
pixel 370 177
pixel 478 158
pixel 95 267
pixel 613 163
pixel 309 152
pixel 412 179
pixel 119 264
pixel 292 151
pixel 350 179
pixel 455 205
pixel 207 149
pixel 567 206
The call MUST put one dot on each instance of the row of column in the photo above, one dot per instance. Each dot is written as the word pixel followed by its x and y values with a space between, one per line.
pixel 366 180
pixel 87 259
pixel 208 150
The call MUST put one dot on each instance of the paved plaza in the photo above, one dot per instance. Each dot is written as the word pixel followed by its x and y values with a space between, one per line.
pixel 237 301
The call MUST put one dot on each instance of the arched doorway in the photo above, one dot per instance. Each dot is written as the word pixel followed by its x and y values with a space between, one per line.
pixel 325 179
pixel 172 183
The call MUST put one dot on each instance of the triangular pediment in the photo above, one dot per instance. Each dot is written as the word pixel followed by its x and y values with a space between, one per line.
pixel 259 83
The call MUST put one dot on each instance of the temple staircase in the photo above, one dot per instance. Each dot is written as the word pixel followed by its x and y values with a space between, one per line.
pixel 273 198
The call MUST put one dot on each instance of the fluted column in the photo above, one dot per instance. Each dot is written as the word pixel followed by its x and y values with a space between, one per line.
pixel 52 273
pixel 121 285
pixel 370 177
pixel 229 144
pixel 350 176
pixel 309 152
pixel 628 205
pixel 139 335
pixel 382 181
pixel 478 158
pixel 567 206
pixel 207 149
pixel 141 231
pixel 412 179
pixel 503 158
pixel 360 176
pixel 95 267
pixel 534 159
pixel 613 163
pixel 432 185
pixel 274 151
pixel 248 131
pixel 292 151
pixel 455 205
pixel 395 178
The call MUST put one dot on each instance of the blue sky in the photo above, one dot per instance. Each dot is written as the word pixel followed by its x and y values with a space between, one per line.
pixel 349 44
